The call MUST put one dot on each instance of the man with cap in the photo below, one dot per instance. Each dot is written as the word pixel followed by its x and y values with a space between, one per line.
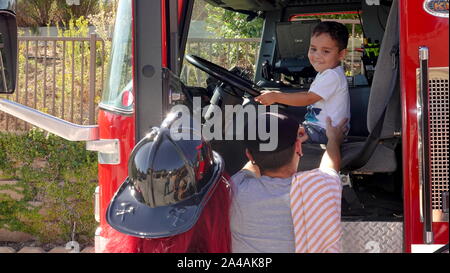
pixel 277 209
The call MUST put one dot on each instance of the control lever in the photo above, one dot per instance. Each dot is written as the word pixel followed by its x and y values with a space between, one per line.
pixel 266 71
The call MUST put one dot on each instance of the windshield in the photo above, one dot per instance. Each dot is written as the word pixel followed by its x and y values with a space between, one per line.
pixel 213 37
pixel 117 95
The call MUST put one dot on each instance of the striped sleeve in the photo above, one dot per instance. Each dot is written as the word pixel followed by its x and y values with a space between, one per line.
pixel 315 199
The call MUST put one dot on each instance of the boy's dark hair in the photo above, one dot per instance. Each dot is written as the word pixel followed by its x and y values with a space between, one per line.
pixel 337 31
pixel 287 135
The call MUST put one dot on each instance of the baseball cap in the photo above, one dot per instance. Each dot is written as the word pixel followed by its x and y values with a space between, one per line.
pixel 279 126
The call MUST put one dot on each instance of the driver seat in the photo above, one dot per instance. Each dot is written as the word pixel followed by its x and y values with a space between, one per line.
pixel 375 152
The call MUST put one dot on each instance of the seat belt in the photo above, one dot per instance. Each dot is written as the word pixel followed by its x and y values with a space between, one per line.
pixel 348 193
pixel 374 137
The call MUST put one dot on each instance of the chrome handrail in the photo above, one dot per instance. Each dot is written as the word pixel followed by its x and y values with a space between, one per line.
pixel 423 147
pixel 57 126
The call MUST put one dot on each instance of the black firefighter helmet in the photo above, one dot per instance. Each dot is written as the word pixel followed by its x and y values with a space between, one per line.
pixel 171 176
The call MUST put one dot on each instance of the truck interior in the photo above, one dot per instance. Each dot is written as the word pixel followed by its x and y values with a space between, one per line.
pixel 371 169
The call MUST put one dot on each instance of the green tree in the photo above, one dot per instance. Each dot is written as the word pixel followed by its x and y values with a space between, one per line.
pixel 358 29
pixel 66 12
pixel 36 13
pixel 229 24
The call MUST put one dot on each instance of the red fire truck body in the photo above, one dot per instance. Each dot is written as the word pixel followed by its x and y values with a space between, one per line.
pixel 418 28
pixel 159 32
pixel 111 176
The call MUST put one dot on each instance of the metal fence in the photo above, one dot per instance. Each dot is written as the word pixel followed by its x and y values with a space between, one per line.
pixel 61 76
pixel 56 75
pixel 224 52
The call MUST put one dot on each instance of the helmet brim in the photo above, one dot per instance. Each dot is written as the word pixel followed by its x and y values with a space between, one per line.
pixel 129 216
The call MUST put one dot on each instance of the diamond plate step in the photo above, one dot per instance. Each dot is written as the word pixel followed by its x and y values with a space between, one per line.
pixel 372 237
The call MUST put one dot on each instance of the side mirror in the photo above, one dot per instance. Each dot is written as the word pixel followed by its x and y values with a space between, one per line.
pixel 8 52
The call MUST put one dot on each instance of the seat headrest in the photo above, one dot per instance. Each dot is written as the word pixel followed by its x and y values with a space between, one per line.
pixel 293 38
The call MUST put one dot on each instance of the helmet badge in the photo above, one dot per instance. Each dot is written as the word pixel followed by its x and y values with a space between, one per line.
pixel 176 214
pixel 127 208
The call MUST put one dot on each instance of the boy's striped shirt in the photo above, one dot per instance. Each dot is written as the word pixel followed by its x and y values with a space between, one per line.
pixel 316 211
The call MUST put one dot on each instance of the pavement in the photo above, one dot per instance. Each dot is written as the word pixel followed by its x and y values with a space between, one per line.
pixel 30 249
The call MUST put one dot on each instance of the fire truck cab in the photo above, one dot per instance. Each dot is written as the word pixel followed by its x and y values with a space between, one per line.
pixel 395 162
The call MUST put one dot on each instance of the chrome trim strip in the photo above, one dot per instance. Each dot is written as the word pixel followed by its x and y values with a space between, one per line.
pixel 108 150
pixel 429 238
pixel 419 141
pixel 97 204
pixel 54 125
pixel 115 110
pixel 423 53
pixel 106 146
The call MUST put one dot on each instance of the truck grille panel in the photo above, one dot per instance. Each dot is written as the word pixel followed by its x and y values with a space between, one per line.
pixel 439 133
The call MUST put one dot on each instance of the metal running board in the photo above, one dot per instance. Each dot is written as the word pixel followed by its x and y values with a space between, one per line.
pixel 372 237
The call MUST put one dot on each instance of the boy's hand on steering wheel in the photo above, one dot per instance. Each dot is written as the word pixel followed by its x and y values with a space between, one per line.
pixel 267 97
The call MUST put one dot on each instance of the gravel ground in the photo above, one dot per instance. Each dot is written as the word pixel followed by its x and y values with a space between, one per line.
pixel 47 247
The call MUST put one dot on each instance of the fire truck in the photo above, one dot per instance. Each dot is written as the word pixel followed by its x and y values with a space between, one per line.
pixel 395 171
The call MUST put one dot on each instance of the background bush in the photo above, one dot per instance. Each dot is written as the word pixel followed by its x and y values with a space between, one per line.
pixel 58 175
pixel 37 13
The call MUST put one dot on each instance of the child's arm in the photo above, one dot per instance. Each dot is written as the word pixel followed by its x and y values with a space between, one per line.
pixel 294 99
pixel 332 156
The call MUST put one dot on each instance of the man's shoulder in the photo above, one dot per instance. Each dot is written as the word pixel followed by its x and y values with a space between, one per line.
pixel 241 178
pixel 242 175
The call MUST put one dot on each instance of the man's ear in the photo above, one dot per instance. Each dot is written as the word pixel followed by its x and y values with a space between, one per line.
pixel 298 147
pixel 249 155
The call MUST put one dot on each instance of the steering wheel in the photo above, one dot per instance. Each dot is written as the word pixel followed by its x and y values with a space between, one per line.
pixel 224 75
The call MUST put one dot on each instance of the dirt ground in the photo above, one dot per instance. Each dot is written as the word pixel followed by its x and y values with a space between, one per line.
pixel 47 247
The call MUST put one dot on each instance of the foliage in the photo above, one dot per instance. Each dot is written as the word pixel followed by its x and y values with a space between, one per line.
pixel 74 28
pixel 58 175
pixel 104 21
pixel 35 13
pixel 358 28
pixel 229 24
pixel 66 12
